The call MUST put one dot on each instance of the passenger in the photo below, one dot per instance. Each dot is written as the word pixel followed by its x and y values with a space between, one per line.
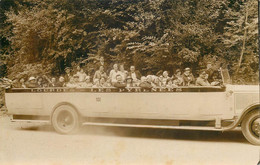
pixel 177 78
pixel 40 82
pixel 108 83
pixel 123 72
pixel 188 78
pixel 101 62
pixel 87 83
pixel 202 79
pixel 165 78
pixel 146 83
pixel 68 75
pixel 99 73
pixel 53 82
pixel 209 71
pixel 82 75
pixel 22 83
pixel 119 82
pixel 216 81
pixel 15 83
pixel 135 75
pixel 61 82
pixel 129 82
pixel 102 82
pixel 74 82
pixel 156 82
pixel 32 83
pixel 114 73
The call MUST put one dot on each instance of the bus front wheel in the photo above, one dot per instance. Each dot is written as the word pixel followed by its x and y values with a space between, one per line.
pixel 65 119
pixel 251 127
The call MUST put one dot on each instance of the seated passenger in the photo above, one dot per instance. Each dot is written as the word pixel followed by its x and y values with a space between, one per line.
pixel 53 82
pixel 135 75
pixel 156 82
pixel 102 82
pixel 188 78
pixel 40 81
pixel 114 73
pixel 68 75
pixel 108 83
pixel 22 83
pixel 61 82
pixel 32 83
pixel 165 78
pixel 216 81
pixel 15 83
pixel 87 83
pixel 123 72
pixel 74 82
pixel 177 78
pixel 170 84
pixel 119 82
pixel 82 75
pixel 202 79
pixel 99 73
pixel 129 82
pixel 146 83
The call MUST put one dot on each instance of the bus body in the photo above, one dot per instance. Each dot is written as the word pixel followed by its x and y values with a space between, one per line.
pixel 226 107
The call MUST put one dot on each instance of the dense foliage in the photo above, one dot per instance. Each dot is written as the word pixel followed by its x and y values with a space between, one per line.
pixel 45 36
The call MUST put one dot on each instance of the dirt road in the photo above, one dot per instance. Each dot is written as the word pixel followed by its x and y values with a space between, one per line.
pixel 120 146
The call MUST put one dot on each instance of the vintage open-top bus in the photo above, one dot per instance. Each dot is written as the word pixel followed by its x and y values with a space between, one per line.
pixel 218 108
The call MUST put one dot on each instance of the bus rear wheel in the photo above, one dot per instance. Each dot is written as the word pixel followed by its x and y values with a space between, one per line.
pixel 65 120
pixel 251 127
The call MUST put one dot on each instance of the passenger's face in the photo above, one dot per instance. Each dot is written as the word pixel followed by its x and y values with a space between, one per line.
pixel 78 68
pixel 101 68
pixel 165 74
pixel 101 59
pixel 67 71
pixel 132 68
pixel 53 80
pixel 88 80
pixel 102 80
pixel 209 66
pixel 22 80
pixel 119 78
pixel 61 79
pixel 115 67
pixel 81 70
pixel 187 72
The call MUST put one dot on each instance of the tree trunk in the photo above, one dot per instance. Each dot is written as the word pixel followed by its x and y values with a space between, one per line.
pixel 244 40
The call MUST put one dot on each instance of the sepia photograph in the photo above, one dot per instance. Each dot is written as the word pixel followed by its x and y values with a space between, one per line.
pixel 129 82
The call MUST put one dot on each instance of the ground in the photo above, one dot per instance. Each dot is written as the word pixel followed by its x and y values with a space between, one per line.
pixel 120 146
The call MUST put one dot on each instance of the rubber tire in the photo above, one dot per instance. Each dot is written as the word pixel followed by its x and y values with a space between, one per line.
pixel 246 127
pixel 74 116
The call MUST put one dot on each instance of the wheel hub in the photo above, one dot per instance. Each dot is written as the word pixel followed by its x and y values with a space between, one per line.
pixel 256 127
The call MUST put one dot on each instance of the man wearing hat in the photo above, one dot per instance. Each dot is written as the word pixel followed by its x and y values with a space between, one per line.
pixel 32 83
pixel 188 78
pixel 202 79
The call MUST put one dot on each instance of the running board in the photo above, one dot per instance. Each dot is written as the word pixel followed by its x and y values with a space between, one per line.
pixel 154 126
pixel 31 123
